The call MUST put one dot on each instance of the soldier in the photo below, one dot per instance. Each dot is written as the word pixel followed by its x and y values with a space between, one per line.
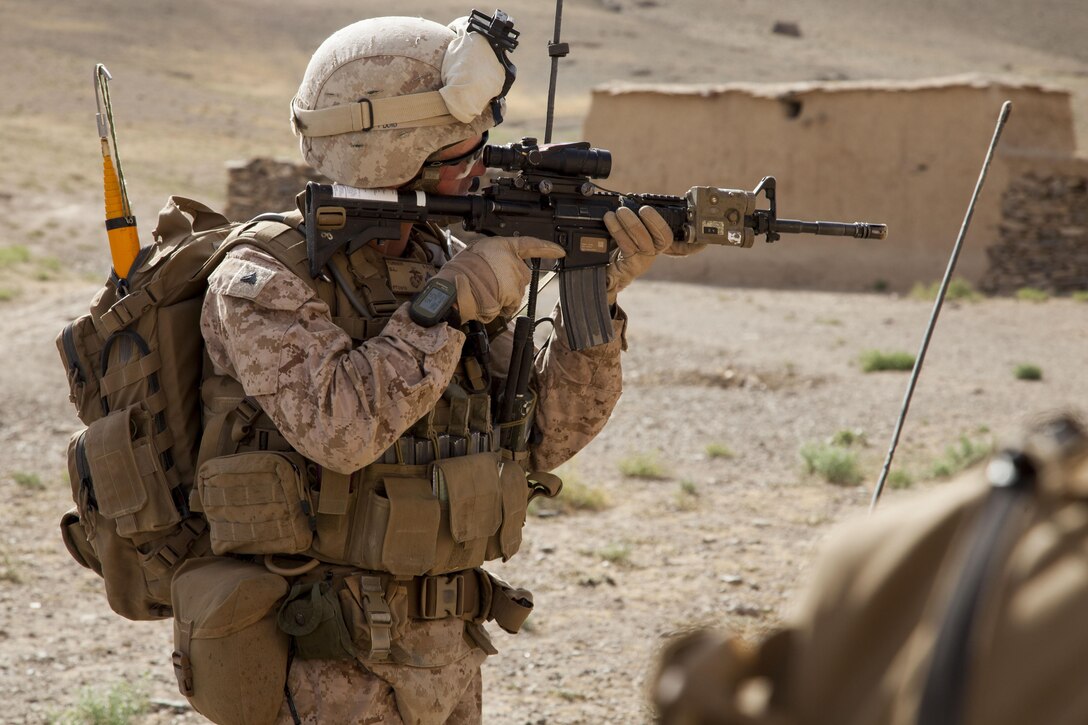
pixel 963 607
pixel 386 414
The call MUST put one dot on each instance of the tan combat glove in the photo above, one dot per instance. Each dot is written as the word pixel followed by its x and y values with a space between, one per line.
pixel 640 237
pixel 491 275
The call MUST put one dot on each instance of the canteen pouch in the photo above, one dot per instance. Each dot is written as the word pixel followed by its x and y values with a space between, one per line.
pixel 257 503
pixel 229 657
pixel 130 485
pixel 312 616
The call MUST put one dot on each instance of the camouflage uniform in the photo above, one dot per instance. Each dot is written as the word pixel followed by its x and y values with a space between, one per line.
pixel 342 405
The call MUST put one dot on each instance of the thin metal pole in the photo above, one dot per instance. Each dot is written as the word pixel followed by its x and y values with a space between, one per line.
pixel 556 53
pixel 1006 108
pixel 555 73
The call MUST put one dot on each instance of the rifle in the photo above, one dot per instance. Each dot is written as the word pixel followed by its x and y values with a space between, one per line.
pixel 551 194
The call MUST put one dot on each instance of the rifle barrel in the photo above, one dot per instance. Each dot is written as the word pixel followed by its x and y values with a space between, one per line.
pixel 859 230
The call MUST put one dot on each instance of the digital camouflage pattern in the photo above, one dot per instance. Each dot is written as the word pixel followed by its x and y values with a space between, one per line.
pixel 445 687
pixel 388 57
pixel 343 405
pixel 338 405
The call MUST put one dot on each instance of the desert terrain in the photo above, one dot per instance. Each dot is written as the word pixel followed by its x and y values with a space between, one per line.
pixel 694 506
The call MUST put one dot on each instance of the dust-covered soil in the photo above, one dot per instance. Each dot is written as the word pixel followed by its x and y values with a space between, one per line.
pixel 749 375
pixel 723 387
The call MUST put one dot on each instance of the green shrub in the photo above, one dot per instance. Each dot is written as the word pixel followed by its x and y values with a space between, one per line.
pixel 1032 294
pixel 117 706
pixel 1028 371
pixel 833 463
pixel 958 289
pixel 575 496
pixel 964 454
pixel 876 361
pixel 643 465
pixel 687 498
pixel 1081 296
pixel 618 554
pixel 29 481
pixel 47 268
pixel 9 571
pixel 900 479
pixel 17 254
pixel 719 450
pixel 848 437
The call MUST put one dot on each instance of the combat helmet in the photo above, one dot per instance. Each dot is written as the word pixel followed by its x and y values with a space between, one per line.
pixel 383 94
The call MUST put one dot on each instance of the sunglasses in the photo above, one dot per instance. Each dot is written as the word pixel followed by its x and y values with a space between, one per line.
pixel 474 154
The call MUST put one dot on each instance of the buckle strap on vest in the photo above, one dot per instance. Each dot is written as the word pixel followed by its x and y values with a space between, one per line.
pixel 129 308
pixel 474 595
pixel 139 369
pixel 378 617
pixel 222 436
pixel 169 550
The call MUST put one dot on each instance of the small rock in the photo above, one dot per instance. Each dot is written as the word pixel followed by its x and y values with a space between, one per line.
pixel 745 610
pixel 790 30
pixel 732 579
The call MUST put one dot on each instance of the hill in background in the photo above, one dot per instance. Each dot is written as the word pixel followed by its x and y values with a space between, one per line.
pixel 202 83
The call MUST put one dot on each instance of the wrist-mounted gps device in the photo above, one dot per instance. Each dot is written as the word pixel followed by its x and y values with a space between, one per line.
pixel 434 303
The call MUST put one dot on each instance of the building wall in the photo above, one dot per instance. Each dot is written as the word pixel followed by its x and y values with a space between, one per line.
pixel 1043 235
pixel 265 185
pixel 907 155
pixel 903 154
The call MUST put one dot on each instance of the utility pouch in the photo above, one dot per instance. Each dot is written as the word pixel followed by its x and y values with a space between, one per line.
pixel 129 482
pixel 229 657
pixel 312 616
pixel 257 503
pixel 452 515
pixel 80 345
pixel 468 489
pixel 136 569
pixel 75 540
pixel 401 530
pixel 514 489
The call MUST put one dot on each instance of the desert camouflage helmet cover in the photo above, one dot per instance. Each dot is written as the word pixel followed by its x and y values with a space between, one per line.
pixel 381 95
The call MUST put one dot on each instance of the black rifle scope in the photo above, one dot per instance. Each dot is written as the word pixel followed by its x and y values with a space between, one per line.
pixel 566 159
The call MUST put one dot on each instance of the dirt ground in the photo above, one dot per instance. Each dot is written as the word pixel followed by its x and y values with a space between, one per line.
pixel 720 541
pixel 716 540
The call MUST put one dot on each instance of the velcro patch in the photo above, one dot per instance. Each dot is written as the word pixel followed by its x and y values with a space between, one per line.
pixel 267 284
pixel 247 280
pixel 406 276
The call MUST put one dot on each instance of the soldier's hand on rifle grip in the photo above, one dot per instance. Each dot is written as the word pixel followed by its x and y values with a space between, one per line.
pixel 640 238
pixel 491 275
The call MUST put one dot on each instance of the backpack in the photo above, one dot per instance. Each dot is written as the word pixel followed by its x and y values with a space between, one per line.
pixel 134 365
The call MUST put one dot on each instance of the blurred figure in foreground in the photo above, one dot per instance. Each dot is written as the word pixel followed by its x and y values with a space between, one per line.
pixel 966 606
